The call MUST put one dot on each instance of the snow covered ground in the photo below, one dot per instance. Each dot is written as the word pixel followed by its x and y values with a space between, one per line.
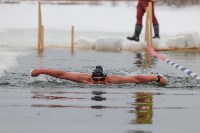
pixel 179 26
pixel 107 18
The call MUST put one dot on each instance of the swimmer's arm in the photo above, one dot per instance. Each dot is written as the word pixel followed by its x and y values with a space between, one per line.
pixel 147 78
pixel 76 77
pixel 136 79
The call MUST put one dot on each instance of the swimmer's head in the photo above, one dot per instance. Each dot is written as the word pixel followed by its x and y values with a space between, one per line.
pixel 99 73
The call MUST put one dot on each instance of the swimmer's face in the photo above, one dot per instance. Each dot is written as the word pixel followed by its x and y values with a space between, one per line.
pixel 99 80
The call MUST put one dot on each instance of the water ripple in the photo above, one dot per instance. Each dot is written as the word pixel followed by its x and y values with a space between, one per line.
pixel 24 80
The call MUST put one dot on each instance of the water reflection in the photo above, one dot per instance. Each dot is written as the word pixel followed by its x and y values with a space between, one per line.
pixel 98 93
pixel 139 60
pixel 143 108
pixel 40 53
pixel 72 52
pixel 48 95
pixel 144 61
pixel 133 131
pixel 40 96
pixel 97 96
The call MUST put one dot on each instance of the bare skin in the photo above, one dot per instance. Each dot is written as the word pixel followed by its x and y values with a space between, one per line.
pixel 87 78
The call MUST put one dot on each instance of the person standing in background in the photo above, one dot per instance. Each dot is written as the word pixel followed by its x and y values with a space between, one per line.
pixel 141 9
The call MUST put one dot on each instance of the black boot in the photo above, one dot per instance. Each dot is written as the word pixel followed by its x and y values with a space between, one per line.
pixel 136 35
pixel 156 31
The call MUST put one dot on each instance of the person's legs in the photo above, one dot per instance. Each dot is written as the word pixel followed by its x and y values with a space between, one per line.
pixel 138 26
pixel 140 12
pixel 156 31
pixel 155 23
pixel 136 36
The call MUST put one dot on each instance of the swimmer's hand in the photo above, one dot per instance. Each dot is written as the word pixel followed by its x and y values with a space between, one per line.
pixel 162 80
pixel 35 73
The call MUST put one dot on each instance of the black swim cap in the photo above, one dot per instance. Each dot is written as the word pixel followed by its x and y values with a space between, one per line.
pixel 98 72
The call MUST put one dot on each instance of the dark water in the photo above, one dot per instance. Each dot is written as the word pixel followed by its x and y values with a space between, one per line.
pixel 48 104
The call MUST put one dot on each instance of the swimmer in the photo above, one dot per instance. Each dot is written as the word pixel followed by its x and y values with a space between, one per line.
pixel 98 76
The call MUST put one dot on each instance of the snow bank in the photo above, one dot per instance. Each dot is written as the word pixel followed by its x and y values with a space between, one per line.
pixel 108 44
pixel 160 43
pixel 176 42
pixel 133 46
pixel 192 39
pixel 85 43
pixel 180 41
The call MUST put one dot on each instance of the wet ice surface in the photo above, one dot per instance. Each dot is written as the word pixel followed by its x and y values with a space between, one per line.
pixel 48 104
